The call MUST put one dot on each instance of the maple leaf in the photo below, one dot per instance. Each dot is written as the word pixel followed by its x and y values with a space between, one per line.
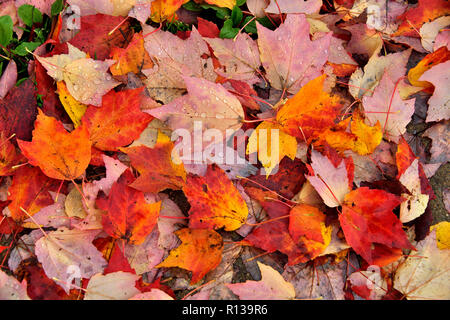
pixel 309 112
pixel 199 252
pixel 425 273
pixel 86 79
pixel 392 66
pixel 60 154
pixel 175 59
pixel 133 58
pixel 307 225
pixel 74 109
pixel 367 218
pixel 363 139
pixel 239 57
pixel 165 9
pixel 207 102
pixel 95 38
pixel 416 202
pixel 305 58
pixel 220 3
pixel 128 215
pixel 330 181
pixel 113 286
pixel 29 190
pixel 215 201
pixel 272 286
pixel 162 172
pixel 440 135
pixel 439 56
pixel 415 17
pixel 439 108
pixel 388 108
pixel 262 141
pixel 119 120
pixel 63 248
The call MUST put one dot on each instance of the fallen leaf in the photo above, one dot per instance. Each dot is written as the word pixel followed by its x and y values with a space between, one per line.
pixel 425 274
pixel 118 122
pixel 289 57
pixel 74 109
pixel 113 286
pixel 60 154
pixel 199 252
pixel 11 289
pixel 367 219
pixel 128 216
pixel 60 249
pixel 133 58
pixel 439 108
pixel 162 173
pixel 305 117
pixel 215 201
pixel 272 286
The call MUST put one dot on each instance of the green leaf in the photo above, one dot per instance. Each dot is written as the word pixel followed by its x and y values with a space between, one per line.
pixel 6 30
pixel 57 7
pixel 29 14
pixel 227 30
pixel 25 47
pixel 240 2
pixel 251 27
pixel 236 16
pixel 221 13
pixel 192 6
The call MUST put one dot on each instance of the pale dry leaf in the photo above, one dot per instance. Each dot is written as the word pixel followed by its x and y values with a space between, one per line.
pixel 288 55
pixel 425 274
pixel 438 104
pixel 327 177
pixel 429 31
pixel 113 286
pixel 272 286
pixel 61 249
pixel 11 289
pixel 239 57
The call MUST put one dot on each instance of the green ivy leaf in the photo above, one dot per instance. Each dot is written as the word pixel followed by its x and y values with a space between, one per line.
pixel 25 47
pixel 250 27
pixel 29 14
pixel 266 23
pixel 227 30
pixel 240 2
pixel 236 16
pixel 57 7
pixel 6 30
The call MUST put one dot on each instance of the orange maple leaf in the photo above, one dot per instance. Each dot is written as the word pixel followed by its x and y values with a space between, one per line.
pixel 309 112
pixel 156 168
pixel 60 154
pixel 133 58
pixel 199 252
pixel 215 201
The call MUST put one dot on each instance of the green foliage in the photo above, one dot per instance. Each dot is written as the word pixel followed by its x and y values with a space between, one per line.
pixel 57 7
pixel 227 30
pixel 6 30
pixel 29 14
